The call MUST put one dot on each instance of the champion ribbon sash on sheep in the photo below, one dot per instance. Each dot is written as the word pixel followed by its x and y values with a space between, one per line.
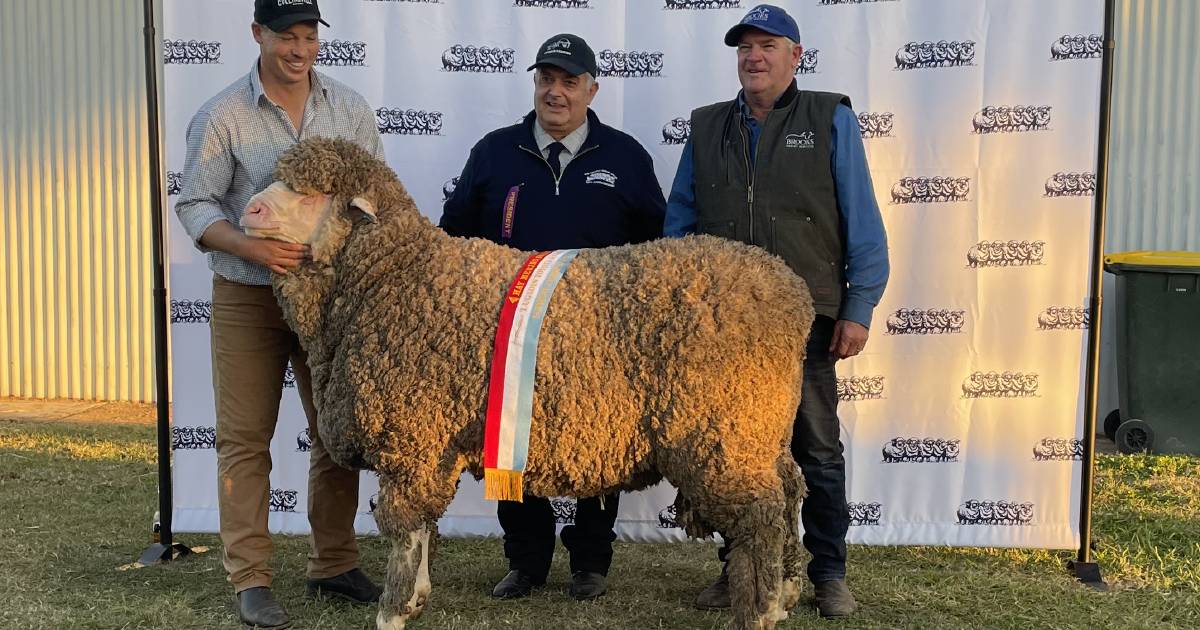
pixel 514 366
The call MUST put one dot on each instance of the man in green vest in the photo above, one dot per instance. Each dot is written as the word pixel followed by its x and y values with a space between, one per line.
pixel 785 169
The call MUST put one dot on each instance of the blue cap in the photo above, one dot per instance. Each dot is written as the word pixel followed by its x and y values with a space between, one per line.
pixel 768 18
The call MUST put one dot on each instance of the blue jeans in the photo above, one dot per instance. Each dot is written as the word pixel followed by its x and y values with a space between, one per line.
pixel 817 448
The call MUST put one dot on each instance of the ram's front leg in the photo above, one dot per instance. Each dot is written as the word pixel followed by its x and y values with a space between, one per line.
pixel 408 584
pixel 411 531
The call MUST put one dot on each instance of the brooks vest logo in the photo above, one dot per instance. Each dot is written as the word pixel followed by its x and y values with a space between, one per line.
pixel 802 140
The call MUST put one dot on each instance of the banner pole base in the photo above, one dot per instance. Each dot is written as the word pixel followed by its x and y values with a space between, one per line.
pixel 1088 573
pixel 159 553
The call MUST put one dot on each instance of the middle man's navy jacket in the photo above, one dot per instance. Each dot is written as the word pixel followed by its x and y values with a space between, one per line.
pixel 607 194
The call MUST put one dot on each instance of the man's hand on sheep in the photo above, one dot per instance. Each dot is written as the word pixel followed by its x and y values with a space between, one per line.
pixel 275 255
pixel 849 339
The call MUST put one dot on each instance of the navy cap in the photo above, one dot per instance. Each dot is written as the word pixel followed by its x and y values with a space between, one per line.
pixel 568 52
pixel 768 18
pixel 279 15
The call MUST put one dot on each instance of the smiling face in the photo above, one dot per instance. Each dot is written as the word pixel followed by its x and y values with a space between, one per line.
pixel 561 99
pixel 766 63
pixel 286 57
pixel 280 213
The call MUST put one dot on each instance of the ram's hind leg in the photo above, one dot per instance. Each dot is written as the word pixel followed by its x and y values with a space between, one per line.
pixel 749 507
pixel 793 558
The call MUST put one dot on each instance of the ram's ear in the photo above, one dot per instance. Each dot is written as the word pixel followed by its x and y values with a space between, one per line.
pixel 364 205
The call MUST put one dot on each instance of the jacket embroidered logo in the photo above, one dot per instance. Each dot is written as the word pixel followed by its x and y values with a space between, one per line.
pixel 601 177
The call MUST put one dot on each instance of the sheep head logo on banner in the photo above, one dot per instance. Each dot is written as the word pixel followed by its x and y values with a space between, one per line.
pixel 1063 184
pixel 397 121
pixel 360 224
pixel 1059 449
pixel 875 124
pixel 977 512
pixel 906 450
pixel 191 311
pixel 865 513
pixel 1000 385
pixel 174 183
pixel 930 321
pixel 289 376
pixel 283 500
pixel 702 4
pixel 1064 318
pixel 341 53
pixel 634 63
pixel 936 189
pixel 1004 119
pixel 553 4
pixel 193 438
pixel 448 188
pixel 666 518
pixel 1006 253
pixel 470 58
pixel 853 388
pixel 564 511
pixel 941 54
pixel 1077 47
pixel 178 51
pixel 677 131
pixel 808 61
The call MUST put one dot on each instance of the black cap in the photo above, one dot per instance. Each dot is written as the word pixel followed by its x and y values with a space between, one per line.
pixel 568 52
pixel 278 15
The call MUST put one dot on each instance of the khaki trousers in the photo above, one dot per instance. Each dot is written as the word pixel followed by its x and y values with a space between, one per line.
pixel 251 346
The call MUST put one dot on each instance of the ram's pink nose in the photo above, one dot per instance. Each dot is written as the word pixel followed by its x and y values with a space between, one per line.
pixel 257 215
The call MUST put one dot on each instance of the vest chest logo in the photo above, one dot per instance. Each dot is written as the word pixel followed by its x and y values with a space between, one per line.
pixel 602 177
pixel 802 140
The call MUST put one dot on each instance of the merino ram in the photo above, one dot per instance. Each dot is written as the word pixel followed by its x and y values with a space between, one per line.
pixel 677 359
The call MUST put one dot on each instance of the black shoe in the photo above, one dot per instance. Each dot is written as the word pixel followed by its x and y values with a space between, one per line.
pixel 587 585
pixel 257 607
pixel 352 586
pixel 514 585
pixel 716 596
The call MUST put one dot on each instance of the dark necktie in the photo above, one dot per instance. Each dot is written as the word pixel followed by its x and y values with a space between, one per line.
pixel 555 149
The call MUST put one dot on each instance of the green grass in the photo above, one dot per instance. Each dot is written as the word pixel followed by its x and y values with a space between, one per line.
pixel 76 500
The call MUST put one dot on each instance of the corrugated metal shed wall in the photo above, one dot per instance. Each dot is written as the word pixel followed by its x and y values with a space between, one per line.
pixel 1154 169
pixel 1154 162
pixel 75 239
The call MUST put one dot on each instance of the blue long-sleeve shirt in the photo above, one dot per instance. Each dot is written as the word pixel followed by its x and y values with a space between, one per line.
pixel 866 254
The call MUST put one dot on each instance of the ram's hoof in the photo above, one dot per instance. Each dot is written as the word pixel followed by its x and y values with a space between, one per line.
pixel 384 621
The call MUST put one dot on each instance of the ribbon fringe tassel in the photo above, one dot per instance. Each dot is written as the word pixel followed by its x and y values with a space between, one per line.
pixel 502 485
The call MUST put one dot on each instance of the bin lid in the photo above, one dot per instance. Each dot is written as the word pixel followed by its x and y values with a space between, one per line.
pixel 1153 261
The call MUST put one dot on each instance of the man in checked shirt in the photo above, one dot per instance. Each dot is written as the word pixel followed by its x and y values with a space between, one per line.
pixel 233 143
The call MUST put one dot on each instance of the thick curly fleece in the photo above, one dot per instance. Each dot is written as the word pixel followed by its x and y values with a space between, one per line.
pixel 679 358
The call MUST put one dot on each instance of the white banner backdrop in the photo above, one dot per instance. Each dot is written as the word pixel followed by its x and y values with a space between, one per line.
pixel 962 421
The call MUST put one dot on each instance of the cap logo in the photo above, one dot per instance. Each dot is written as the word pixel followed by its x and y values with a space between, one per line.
pixel 289 3
pixel 759 14
pixel 562 43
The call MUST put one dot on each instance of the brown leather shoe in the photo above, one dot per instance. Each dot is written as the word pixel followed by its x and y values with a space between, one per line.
pixel 834 598
pixel 716 596
pixel 257 607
